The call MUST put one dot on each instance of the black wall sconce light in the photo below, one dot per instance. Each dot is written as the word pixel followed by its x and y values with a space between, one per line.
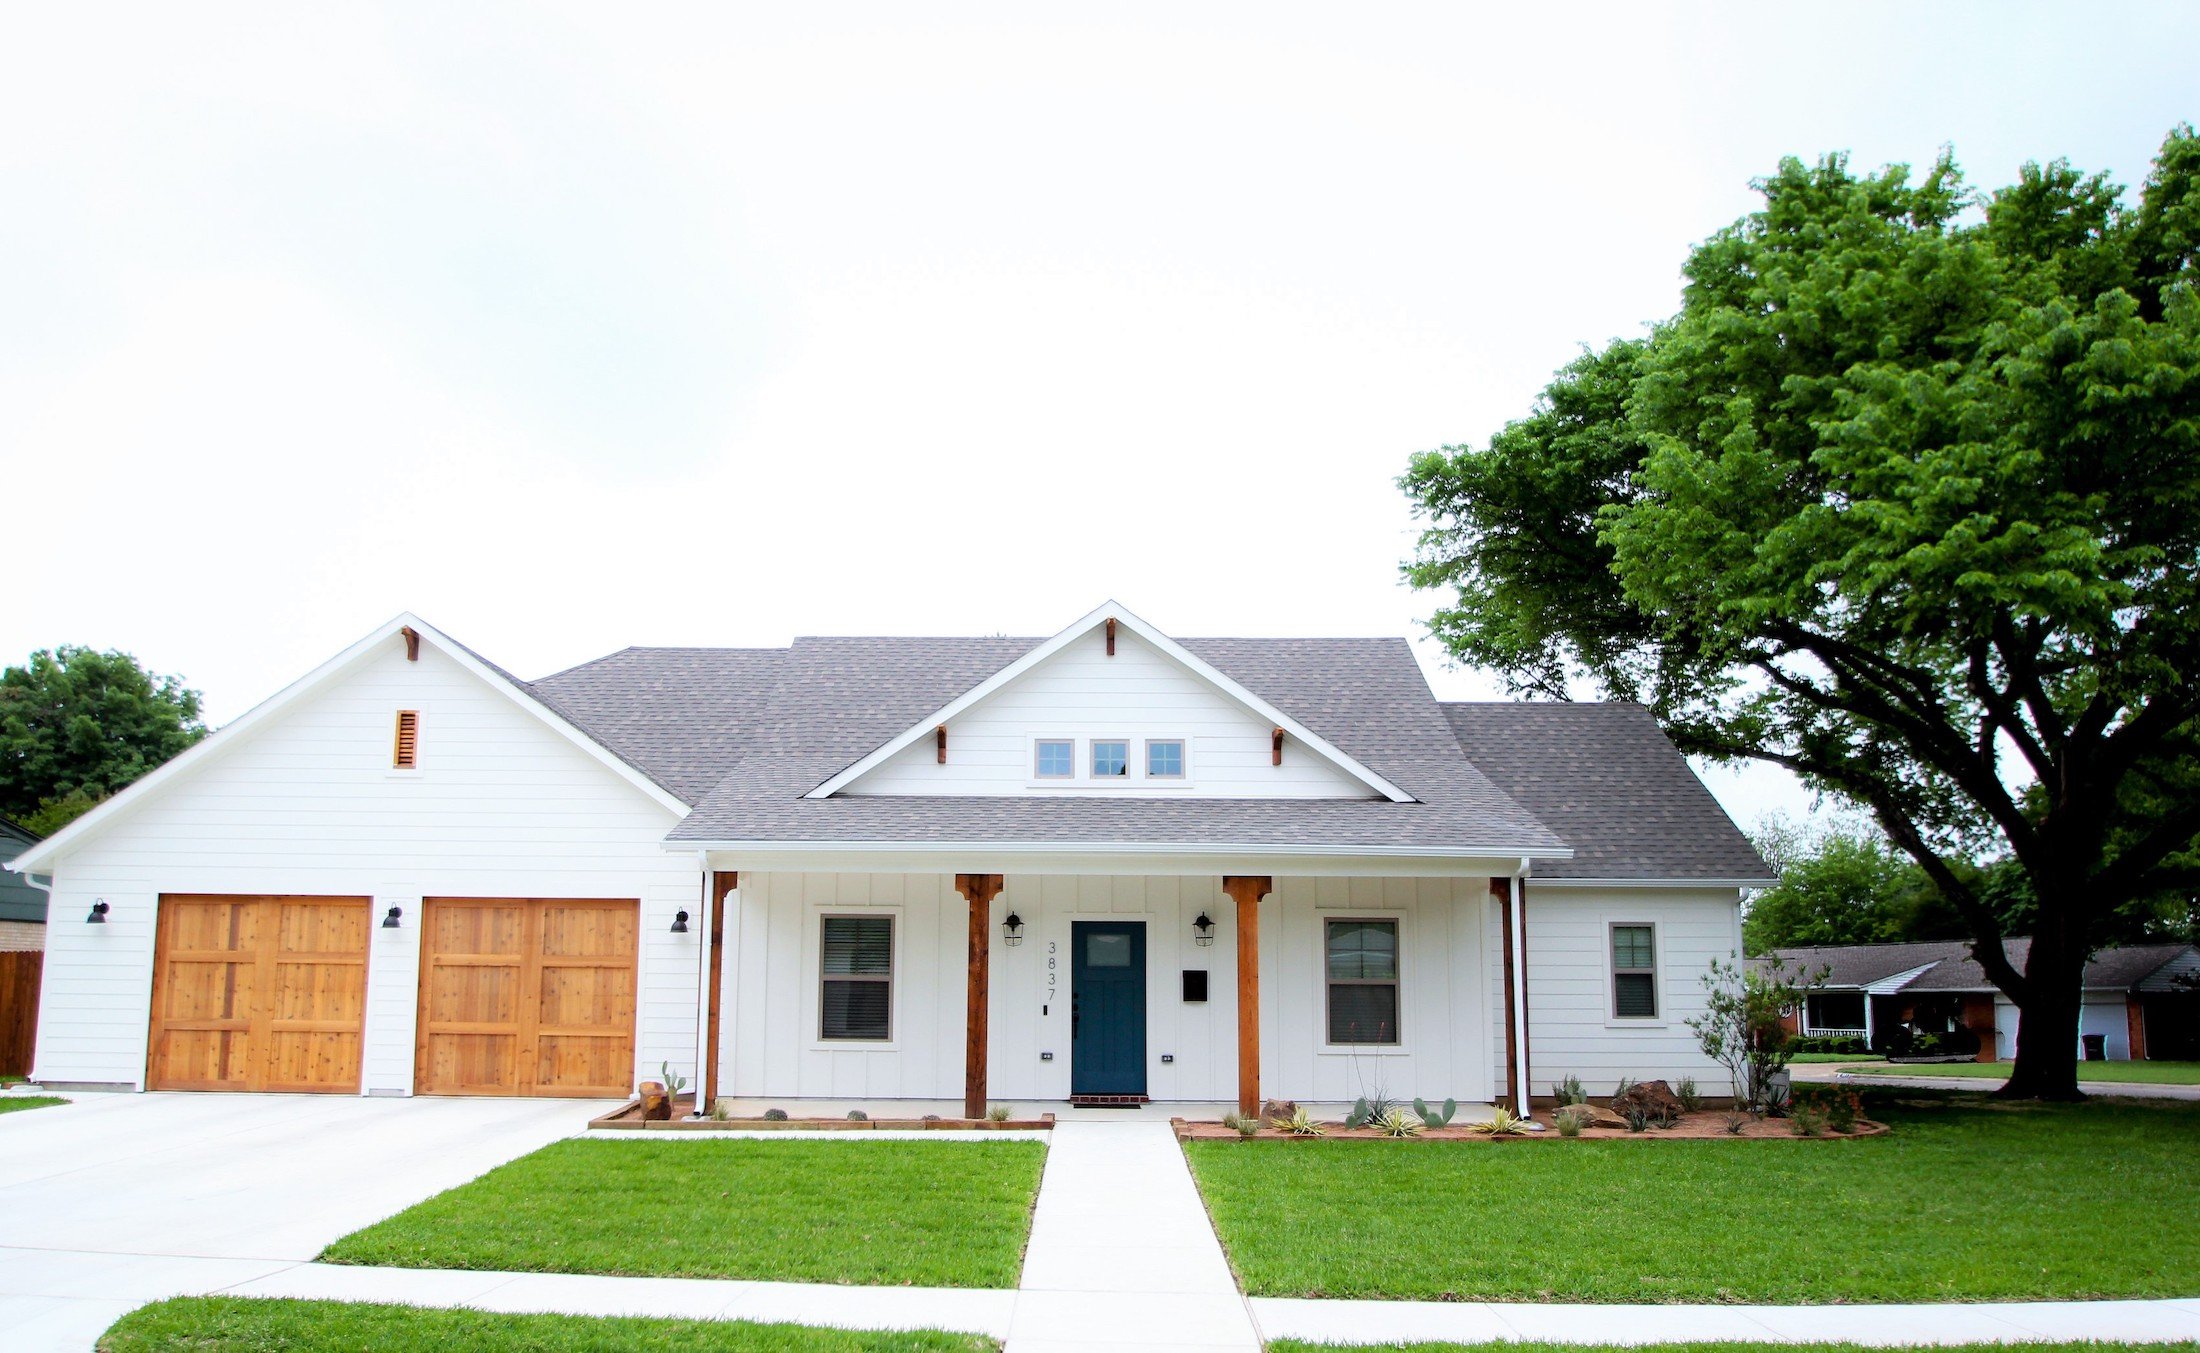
pixel 1012 930
pixel 99 913
pixel 390 919
pixel 680 923
pixel 1203 931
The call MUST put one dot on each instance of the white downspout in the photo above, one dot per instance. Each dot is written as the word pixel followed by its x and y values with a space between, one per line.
pixel 1518 942
pixel 702 989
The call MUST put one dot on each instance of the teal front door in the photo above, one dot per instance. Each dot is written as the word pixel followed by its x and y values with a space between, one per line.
pixel 1107 1020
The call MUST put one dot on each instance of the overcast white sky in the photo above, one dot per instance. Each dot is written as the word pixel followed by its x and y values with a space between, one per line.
pixel 572 328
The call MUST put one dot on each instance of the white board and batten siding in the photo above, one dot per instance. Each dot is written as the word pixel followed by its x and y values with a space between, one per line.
pixel 308 804
pixel 772 1048
pixel 1081 693
pixel 1572 1027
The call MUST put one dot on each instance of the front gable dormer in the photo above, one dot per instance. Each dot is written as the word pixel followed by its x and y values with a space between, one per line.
pixel 1110 707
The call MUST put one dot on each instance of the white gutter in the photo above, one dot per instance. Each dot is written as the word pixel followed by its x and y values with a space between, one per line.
pixel 1137 848
pixel 1517 943
pixel 702 989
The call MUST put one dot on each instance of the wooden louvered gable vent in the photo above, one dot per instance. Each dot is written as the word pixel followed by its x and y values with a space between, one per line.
pixel 406 756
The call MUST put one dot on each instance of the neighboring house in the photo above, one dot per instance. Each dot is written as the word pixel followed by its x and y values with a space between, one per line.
pixel 22 907
pixel 1106 866
pixel 2135 1005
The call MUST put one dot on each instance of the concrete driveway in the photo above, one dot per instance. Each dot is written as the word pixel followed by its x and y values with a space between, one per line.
pixel 116 1200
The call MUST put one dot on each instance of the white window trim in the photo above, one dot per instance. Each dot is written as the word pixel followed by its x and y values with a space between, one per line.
pixel 421 754
pixel 813 958
pixel 1612 1018
pixel 1323 1047
pixel 1165 781
pixel 1132 774
pixel 1031 764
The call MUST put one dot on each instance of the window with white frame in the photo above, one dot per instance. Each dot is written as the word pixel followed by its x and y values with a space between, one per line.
pixel 856 979
pixel 1634 971
pixel 1361 958
pixel 1111 758
pixel 1165 758
pixel 1054 759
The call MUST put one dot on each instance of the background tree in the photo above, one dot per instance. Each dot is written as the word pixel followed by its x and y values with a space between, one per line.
pixel 1848 886
pixel 76 725
pixel 1905 498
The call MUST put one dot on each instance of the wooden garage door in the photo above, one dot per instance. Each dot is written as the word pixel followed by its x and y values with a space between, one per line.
pixel 259 993
pixel 527 996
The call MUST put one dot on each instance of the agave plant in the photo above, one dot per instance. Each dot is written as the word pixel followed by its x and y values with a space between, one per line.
pixel 1503 1123
pixel 1397 1123
pixel 1299 1124
pixel 1433 1117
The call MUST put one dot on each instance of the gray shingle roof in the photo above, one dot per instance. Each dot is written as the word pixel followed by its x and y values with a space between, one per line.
pixel 743 734
pixel 1953 969
pixel 838 699
pixel 1607 780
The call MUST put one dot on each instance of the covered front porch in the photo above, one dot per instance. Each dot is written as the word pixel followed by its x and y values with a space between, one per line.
pixel 1052 986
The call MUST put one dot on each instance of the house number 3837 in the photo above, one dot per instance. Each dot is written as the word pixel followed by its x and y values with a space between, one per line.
pixel 1052 965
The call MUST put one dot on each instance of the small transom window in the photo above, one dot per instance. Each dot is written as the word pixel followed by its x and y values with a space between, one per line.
pixel 1056 760
pixel 1634 972
pixel 1110 759
pixel 1165 759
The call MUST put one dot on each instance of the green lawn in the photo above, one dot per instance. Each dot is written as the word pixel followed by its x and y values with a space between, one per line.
pixel 234 1324
pixel 1297 1346
pixel 933 1214
pixel 14 1103
pixel 2130 1073
pixel 1811 1058
pixel 1964 1200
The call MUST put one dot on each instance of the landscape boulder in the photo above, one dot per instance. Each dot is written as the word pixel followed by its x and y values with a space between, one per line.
pixel 1273 1109
pixel 1655 1096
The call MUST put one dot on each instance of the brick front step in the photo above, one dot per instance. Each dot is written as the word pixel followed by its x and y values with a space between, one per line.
pixel 1107 1101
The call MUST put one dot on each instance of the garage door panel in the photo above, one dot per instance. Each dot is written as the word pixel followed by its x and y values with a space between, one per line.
pixel 528 996
pixel 258 993
pixel 473 994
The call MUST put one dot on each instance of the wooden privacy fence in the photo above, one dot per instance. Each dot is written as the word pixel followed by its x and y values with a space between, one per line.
pixel 19 974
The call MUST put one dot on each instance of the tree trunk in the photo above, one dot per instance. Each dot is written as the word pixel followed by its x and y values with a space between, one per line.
pixel 2047 1019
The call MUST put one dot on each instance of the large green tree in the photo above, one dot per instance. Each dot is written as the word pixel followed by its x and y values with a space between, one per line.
pixel 77 724
pixel 1905 498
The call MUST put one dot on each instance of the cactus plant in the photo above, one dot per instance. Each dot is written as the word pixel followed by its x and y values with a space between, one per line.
pixel 1433 1117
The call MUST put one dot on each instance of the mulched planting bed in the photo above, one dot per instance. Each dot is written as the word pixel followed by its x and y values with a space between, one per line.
pixel 1705 1124
pixel 628 1118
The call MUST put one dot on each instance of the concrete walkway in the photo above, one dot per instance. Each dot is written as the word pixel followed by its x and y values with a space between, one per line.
pixel 1121 1253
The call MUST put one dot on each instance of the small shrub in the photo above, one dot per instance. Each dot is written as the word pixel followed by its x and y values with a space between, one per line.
pixel 720 1111
pixel 1806 1120
pixel 1503 1123
pixel 1569 1121
pixel 1397 1123
pixel 1776 1098
pixel 1436 1118
pixel 1299 1124
pixel 775 1115
pixel 1691 1099
pixel 1735 1122
pixel 1637 1117
pixel 1626 1083
pixel 1243 1124
pixel 996 1113
pixel 858 1116
pixel 1569 1091
pixel 1841 1109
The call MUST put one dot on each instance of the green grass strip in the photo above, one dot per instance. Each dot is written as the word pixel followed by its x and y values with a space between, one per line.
pixel 923 1213
pixel 2128 1073
pixel 1966 1200
pixel 17 1103
pixel 282 1325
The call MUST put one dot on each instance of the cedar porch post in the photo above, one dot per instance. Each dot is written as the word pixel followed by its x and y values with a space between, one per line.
pixel 1247 890
pixel 722 884
pixel 979 890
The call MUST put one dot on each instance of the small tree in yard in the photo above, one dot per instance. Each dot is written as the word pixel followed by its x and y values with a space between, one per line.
pixel 1906 498
pixel 1740 1027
